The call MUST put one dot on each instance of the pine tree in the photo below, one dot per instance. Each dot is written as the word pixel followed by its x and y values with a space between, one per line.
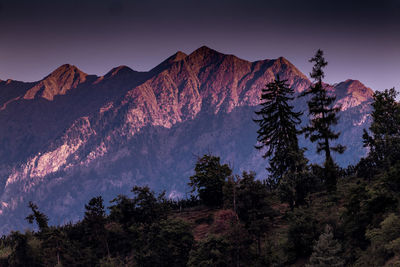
pixel 278 131
pixel 322 117
pixel 326 251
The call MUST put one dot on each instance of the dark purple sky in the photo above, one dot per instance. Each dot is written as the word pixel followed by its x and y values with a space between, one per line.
pixel 361 39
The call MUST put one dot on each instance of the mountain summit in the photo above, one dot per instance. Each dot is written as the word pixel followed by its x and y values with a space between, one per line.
pixel 60 81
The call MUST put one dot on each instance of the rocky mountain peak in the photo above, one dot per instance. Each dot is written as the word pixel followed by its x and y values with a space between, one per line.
pixel 64 69
pixel 178 56
pixel 205 50
pixel 286 66
pixel 283 60
pixel 204 54
pixel 352 93
pixel 60 81
pixel 354 88
pixel 120 70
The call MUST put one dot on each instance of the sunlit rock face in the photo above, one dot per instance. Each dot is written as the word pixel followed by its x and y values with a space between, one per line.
pixel 352 93
pixel 72 136
pixel 58 82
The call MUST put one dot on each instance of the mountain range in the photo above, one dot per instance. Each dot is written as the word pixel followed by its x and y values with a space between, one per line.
pixel 72 136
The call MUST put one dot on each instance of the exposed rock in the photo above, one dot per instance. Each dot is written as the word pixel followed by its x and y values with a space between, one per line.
pixel 58 82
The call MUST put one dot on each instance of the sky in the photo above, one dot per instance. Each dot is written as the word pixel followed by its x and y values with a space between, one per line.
pixel 361 39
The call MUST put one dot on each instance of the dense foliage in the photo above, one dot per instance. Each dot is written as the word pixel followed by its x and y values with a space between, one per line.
pixel 209 179
pixel 236 220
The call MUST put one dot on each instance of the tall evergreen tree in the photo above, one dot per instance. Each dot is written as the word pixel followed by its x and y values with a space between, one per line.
pixel 278 131
pixel 322 117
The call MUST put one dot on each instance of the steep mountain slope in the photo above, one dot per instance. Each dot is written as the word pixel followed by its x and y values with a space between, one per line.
pixel 72 136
